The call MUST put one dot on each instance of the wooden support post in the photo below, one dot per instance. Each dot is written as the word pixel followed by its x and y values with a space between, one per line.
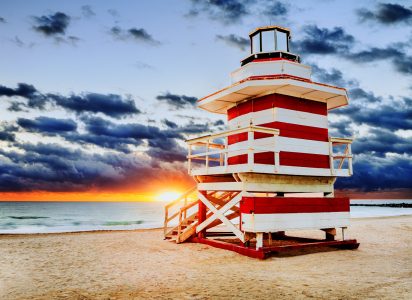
pixel 350 159
pixel 278 235
pixel 250 151
pixel 201 216
pixel 270 238
pixel 330 233
pixel 332 168
pixel 259 240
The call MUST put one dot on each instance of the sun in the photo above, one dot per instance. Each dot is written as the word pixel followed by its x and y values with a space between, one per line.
pixel 168 196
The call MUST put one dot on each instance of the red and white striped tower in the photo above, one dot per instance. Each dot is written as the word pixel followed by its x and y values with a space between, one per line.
pixel 274 152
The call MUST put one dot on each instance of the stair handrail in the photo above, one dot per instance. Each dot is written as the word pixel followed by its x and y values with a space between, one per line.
pixel 173 203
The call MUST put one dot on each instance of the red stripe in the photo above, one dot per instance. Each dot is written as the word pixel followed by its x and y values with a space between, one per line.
pixel 270 59
pixel 277 100
pixel 286 130
pixel 294 159
pixel 273 205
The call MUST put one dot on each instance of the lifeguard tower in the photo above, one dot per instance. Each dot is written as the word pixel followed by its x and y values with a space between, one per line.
pixel 274 168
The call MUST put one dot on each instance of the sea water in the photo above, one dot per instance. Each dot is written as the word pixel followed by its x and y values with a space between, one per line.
pixel 45 217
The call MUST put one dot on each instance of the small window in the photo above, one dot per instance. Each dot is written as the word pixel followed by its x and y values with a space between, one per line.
pixel 256 43
pixel 268 41
pixel 282 41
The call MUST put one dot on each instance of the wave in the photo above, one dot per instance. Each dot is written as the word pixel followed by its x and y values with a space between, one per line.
pixel 122 223
pixel 26 217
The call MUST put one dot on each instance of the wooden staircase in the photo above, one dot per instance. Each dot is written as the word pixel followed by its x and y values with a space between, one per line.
pixel 187 222
pixel 184 210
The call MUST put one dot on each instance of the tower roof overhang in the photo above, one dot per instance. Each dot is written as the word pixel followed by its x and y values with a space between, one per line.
pixel 257 86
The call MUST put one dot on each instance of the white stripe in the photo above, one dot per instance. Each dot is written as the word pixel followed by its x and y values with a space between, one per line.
pixel 284 144
pixel 270 169
pixel 294 221
pixel 277 114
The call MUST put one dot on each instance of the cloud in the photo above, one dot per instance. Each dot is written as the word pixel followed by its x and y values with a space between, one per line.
pixel 386 14
pixel 276 9
pixel 177 101
pixel 324 41
pixel 7 132
pixel 52 167
pixel 135 34
pixel 380 141
pixel 46 124
pixel 87 11
pixel 26 91
pixel 399 58
pixel 394 116
pixel 119 137
pixel 373 173
pixel 2 20
pixel 170 124
pixel 52 25
pixel 234 41
pixel 111 105
pixel 225 11
pixel 166 150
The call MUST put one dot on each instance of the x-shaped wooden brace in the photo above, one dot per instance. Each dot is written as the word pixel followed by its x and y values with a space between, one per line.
pixel 219 213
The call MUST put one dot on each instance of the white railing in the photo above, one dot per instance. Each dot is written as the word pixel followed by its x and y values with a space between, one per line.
pixel 219 158
pixel 341 156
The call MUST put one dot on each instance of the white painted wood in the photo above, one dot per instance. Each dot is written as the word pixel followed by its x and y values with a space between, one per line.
pixel 266 187
pixel 279 115
pixel 220 215
pixel 293 221
pixel 268 169
pixel 285 144
pixel 259 240
pixel 220 101
pixel 271 67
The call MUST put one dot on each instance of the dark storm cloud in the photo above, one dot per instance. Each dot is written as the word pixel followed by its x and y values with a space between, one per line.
pixel 112 105
pixel 397 55
pixel 234 41
pixel 170 124
pixel 52 167
pixel 134 34
pixel 387 13
pixel 380 141
pixel 87 11
pixel 226 11
pixel 109 104
pixel 276 9
pixel 101 127
pixel 166 150
pixel 177 101
pixel 34 98
pixel 52 25
pixel 335 77
pixel 378 173
pixel 324 41
pixel 46 124
pixel 7 132
pixel 219 123
pixel 394 116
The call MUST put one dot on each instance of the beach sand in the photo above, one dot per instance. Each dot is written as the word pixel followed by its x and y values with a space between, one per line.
pixel 140 264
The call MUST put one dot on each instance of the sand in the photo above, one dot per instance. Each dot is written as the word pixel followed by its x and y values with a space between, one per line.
pixel 140 265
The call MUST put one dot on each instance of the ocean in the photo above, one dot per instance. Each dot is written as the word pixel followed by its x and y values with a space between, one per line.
pixel 48 217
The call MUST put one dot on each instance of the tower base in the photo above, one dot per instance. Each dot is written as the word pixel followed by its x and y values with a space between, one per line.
pixel 284 246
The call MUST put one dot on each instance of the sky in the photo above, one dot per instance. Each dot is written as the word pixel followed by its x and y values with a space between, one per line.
pixel 97 97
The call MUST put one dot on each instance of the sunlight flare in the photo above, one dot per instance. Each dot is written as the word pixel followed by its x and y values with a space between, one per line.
pixel 168 196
